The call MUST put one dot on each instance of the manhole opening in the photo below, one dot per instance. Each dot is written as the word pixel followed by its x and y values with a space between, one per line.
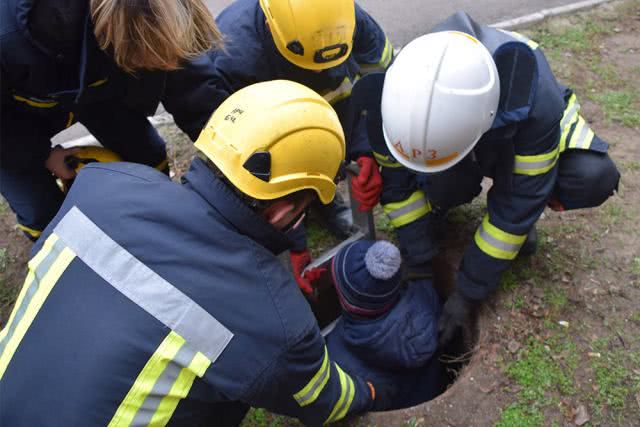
pixel 424 383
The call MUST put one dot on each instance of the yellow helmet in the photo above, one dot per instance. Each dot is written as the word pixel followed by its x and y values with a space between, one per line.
pixel 274 138
pixel 312 34
pixel 91 154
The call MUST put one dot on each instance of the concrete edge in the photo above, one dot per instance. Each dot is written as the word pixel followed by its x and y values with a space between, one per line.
pixel 510 24
pixel 534 18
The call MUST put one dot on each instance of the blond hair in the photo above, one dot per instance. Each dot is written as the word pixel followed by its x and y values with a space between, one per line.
pixel 154 34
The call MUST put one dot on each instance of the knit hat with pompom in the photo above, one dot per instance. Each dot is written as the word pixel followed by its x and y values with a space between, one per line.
pixel 367 277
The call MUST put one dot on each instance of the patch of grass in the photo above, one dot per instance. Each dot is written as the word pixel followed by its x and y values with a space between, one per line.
pixel 538 372
pixel 521 415
pixel 613 378
pixel 509 280
pixel 555 296
pixel 613 213
pixel 620 106
pixel 632 166
pixel 3 259
pixel 635 266
pixel 414 422
pixel 318 238
pixel 258 417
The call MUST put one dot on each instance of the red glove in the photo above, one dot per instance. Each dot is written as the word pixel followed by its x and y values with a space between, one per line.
pixel 367 186
pixel 299 260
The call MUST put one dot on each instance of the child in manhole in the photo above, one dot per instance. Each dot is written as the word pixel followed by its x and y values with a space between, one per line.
pixel 388 332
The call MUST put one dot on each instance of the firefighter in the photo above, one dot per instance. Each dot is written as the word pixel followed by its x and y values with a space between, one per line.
pixel 102 63
pixel 167 302
pixel 326 45
pixel 469 101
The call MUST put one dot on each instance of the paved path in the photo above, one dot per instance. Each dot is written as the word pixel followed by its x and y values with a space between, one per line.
pixel 403 20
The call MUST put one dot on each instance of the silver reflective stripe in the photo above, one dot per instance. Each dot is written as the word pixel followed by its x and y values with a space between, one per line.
pixel 38 274
pixel 498 244
pixel 163 386
pixel 581 141
pixel 569 115
pixel 536 165
pixel 407 209
pixel 142 285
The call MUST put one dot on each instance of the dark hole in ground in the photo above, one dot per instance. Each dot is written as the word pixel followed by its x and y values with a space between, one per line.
pixel 442 371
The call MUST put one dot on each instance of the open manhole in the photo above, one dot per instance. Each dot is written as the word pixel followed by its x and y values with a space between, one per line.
pixel 439 374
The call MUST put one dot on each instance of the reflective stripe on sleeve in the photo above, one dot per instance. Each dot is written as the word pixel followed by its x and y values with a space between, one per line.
pixel 409 210
pixel 581 136
pixel 166 379
pixel 35 102
pixel 569 118
pixel 385 59
pixel 312 390
pixel 341 92
pixel 45 270
pixel 537 164
pixel 143 286
pixel 498 243
pixel 347 393
pixel 386 161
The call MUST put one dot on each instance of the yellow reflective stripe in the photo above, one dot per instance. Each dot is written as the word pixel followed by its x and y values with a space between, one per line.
pixel 40 282
pixel 386 161
pixel 497 243
pixel 98 82
pixel 180 390
pixel 70 120
pixel 30 231
pixel 312 390
pixel 32 266
pixel 385 59
pixel 37 103
pixel 166 375
pixel 569 117
pixel 582 135
pixel 536 165
pixel 407 211
pixel 347 393
pixel 341 92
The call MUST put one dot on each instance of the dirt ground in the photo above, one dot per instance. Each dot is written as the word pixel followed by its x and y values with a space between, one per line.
pixel 559 344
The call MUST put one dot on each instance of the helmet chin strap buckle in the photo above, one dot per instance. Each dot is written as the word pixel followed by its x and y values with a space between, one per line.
pixel 259 165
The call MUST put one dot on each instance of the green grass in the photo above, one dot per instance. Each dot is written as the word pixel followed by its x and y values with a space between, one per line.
pixel 3 259
pixel 613 378
pixel 555 296
pixel 258 417
pixel 635 266
pixel 621 106
pixel 521 415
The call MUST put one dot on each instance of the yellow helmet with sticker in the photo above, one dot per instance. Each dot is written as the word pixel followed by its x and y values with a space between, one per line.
pixel 274 138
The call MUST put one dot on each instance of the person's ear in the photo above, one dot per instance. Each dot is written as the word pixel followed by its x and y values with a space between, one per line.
pixel 277 211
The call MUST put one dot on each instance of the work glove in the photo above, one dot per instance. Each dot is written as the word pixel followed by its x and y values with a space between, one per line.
pixel 456 314
pixel 299 260
pixel 56 162
pixel 367 186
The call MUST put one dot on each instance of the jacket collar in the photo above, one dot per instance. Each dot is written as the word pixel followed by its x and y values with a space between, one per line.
pixel 218 194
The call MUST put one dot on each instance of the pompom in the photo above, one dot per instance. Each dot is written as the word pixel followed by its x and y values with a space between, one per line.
pixel 383 260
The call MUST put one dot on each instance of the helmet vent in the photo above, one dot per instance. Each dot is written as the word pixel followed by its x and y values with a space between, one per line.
pixel 296 47
pixel 259 165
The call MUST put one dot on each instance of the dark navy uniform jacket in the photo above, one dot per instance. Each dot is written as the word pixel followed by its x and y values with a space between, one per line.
pixel 159 302
pixel 395 349
pixel 54 74
pixel 251 56
pixel 538 119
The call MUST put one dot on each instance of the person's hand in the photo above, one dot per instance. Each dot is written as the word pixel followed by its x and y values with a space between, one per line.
pixel 367 186
pixel 456 314
pixel 56 162
pixel 299 260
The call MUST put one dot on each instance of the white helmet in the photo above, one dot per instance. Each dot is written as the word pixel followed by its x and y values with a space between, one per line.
pixel 440 95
